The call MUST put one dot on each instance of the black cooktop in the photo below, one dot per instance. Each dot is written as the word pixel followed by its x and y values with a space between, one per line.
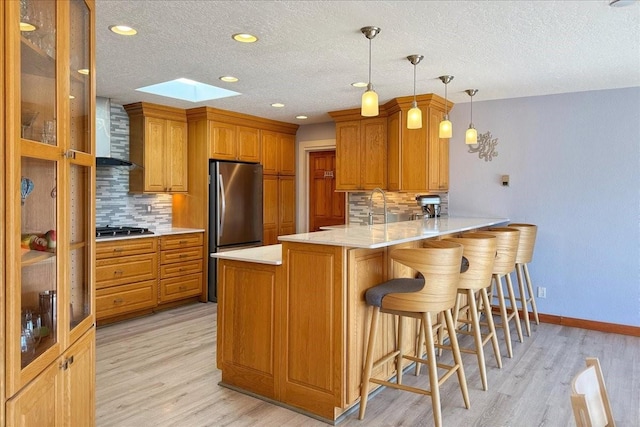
pixel 110 231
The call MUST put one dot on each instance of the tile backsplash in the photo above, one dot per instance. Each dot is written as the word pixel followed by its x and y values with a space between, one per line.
pixel 114 205
pixel 403 204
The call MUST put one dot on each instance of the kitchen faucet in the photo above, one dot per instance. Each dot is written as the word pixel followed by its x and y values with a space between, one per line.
pixel 384 199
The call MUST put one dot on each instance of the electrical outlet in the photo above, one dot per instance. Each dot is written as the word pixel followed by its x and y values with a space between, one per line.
pixel 148 208
pixel 542 292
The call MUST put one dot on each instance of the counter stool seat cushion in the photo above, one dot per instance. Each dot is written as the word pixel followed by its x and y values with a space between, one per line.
pixel 403 285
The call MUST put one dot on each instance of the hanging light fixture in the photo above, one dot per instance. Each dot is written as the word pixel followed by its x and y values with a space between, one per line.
pixel 370 97
pixel 414 116
pixel 445 124
pixel 471 136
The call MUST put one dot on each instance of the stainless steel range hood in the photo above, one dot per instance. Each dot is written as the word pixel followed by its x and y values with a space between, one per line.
pixel 103 135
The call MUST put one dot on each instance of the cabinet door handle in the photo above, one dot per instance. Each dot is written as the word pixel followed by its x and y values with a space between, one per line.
pixel 118 273
pixel 183 255
pixel 64 365
pixel 70 360
pixel 117 301
pixel 117 249
pixel 184 242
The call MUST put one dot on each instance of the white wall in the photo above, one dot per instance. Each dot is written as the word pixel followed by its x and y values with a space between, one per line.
pixel 574 163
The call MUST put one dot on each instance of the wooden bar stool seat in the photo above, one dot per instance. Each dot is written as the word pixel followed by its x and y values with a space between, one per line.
pixel 439 263
pixel 523 258
pixel 506 249
pixel 480 251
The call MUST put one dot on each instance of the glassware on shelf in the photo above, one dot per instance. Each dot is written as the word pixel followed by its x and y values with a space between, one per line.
pixel 28 117
pixel 48 310
pixel 49 132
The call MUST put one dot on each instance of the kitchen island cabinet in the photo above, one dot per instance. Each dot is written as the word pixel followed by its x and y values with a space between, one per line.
pixel 310 354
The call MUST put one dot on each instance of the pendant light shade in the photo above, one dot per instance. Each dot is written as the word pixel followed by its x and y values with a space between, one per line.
pixel 369 106
pixel 471 136
pixel 445 130
pixel 414 116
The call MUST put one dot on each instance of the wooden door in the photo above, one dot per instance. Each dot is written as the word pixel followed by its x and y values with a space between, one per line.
pixel 223 141
pixel 438 155
pixel 287 154
pixel 373 164
pixel 81 382
pixel 248 140
pixel 270 153
pixel 40 403
pixel 326 206
pixel 413 163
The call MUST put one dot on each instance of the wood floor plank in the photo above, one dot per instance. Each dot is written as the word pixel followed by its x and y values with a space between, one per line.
pixel 159 371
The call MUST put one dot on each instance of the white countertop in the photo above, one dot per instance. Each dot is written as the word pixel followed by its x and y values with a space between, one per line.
pixel 381 235
pixel 271 255
pixel 156 233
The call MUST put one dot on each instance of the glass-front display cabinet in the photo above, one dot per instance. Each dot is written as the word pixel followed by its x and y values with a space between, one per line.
pixel 50 195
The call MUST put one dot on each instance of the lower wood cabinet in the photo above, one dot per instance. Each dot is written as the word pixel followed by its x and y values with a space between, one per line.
pixel 63 394
pixel 138 275
pixel 279 207
pixel 181 263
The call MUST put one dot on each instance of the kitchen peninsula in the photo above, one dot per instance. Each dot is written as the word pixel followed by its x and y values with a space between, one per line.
pixel 292 317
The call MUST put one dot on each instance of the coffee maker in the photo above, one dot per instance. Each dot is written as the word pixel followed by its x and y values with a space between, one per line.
pixel 430 205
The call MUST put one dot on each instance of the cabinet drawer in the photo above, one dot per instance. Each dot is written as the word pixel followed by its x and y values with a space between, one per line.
pixel 126 298
pixel 118 248
pixel 123 270
pixel 181 241
pixel 180 255
pixel 180 287
pixel 180 269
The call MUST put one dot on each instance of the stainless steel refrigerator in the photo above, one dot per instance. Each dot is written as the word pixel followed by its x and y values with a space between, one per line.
pixel 235 211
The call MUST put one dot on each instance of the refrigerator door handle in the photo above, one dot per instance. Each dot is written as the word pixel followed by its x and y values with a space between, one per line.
pixel 223 205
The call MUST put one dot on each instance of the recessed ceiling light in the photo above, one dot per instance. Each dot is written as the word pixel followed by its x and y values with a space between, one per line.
pixel 229 79
pixel 84 71
pixel 188 90
pixel 123 30
pixel 245 38
pixel 301 117
pixel 359 84
pixel 277 105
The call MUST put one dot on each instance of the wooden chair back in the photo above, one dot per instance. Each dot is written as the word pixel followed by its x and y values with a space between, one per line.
pixel 506 248
pixel 480 250
pixel 589 398
pixel 439 262
pixel 527 242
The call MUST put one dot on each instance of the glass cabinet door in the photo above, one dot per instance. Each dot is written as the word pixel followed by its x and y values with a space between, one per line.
pixel 38 70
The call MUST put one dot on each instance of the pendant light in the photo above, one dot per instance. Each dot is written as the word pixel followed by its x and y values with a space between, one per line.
pixel 445 125
pixel 414 116
pixel 370 97
pixel 471 136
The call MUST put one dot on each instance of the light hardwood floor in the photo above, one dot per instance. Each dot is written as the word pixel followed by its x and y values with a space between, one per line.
pixel 159 371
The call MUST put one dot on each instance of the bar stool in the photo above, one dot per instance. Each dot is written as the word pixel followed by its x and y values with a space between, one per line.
pixel 480 250
pixel 523 257
pixel 439 263
pixel 506 248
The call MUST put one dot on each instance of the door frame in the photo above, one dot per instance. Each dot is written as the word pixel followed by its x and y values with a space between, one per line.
pixel 302 179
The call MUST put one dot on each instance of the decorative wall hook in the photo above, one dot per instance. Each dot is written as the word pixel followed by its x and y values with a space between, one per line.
pixel 486 147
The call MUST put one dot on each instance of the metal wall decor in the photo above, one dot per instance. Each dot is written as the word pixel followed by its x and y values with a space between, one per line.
pixel 486 146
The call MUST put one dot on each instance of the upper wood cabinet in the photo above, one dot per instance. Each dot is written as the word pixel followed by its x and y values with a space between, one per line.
pixel 278 153
pixel 418 158
pixel 233 142
pixel 361 152
pixel 158 146
pixel 47 129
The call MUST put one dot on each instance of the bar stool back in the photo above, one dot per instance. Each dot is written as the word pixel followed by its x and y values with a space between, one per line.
pixel 480 250
pixel 507 247
pixel 524 256
pixel 439 263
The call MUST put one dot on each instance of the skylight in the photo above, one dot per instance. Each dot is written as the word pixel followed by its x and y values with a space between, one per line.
pixel 188 90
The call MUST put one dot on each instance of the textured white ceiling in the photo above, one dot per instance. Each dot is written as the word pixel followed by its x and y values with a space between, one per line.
pixel 309 52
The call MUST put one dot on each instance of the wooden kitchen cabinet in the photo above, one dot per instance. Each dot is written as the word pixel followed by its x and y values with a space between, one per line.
pixel 48 210
pixel 158 146
pixel 181 266
pixel 278 153
pixel 63 395
pixel 361 152
pixel 418 158
pixel 279 207
pixel 126 276
pixel 233 142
